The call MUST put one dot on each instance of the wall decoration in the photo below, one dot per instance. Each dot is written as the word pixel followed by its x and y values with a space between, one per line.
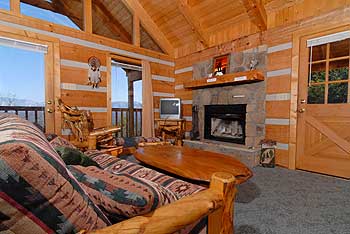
pixel 253 63
pixel 221 65
pixel 94 74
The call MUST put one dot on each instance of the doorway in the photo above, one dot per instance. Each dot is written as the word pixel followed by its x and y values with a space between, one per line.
pixel 27 80
pixel 323 129
pixel 126 97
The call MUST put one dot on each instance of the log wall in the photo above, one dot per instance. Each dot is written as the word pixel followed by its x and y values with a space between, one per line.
pixel 75 48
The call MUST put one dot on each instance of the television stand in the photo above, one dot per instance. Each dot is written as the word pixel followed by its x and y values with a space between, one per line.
pixel 171 127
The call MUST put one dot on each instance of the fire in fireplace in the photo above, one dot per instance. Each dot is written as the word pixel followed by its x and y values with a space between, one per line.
pixel 225 123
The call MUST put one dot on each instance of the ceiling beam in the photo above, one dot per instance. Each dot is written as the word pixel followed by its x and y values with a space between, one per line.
pixel 256 12
pixel 196 27
pixel 151 27
pixel 112 22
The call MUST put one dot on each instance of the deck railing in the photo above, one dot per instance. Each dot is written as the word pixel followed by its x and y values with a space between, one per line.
pixel 34 114
pixel 121 118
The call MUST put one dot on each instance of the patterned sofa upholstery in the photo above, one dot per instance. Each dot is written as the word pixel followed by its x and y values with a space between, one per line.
pixel 40 194
pixel 115 165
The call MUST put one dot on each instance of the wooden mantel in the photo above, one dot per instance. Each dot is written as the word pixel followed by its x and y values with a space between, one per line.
pixel 227 79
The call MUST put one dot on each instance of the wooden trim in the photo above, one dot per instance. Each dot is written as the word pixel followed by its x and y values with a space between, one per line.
pixel 136 37
pixel 151 27
pixel 88 16
pixel 57 86
pixel 191 19
pixel 126 59
pixel 109 90
pixel 15 7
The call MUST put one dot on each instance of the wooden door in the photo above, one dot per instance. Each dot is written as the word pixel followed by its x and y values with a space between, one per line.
pixel 323 130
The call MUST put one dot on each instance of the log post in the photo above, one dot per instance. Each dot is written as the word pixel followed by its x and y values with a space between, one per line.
pixel 92 142
pixel 221 220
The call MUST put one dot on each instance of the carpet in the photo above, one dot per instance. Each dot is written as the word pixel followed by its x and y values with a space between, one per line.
pixel 277 200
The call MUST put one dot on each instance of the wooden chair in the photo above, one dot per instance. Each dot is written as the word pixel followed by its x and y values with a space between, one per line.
pixel 80 122
pixel 217 202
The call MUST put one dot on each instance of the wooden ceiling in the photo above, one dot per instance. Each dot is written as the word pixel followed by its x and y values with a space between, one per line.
pixel 172 24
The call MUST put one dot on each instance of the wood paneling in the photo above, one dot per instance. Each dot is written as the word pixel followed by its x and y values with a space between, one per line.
pixel 162 70
pixel 79 76
pixel 278 133
pixel 162 86
pixel 187 110
pixel 183 77
pixel 84 98
pixel 277 109
pixel 282 158
pixel 279 60
pixel 278 84
pixel 183 94
pixel 80 53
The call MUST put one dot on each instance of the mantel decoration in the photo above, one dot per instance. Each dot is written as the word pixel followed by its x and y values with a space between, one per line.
pixel 94 74
pixel 221 65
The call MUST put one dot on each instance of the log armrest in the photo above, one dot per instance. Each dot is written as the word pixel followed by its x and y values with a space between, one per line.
pixel 217 202
pixel 92 137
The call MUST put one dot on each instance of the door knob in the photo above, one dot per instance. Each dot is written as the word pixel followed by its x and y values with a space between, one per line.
pixel 49 102
pixel 49 110
pixel 301 110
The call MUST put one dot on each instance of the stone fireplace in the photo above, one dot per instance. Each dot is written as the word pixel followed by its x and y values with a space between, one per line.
pixel 225 123
pixel 231 119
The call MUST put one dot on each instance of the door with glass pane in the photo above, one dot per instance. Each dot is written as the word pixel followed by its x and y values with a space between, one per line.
pixel 323 133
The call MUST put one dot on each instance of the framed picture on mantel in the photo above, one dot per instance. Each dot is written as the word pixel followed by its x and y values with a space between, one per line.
pixel 221 65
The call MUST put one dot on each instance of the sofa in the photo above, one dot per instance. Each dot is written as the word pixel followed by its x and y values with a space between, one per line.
pixel 41 194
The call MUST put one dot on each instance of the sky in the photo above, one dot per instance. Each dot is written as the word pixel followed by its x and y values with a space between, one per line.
pixel 120 86
pixel 28 82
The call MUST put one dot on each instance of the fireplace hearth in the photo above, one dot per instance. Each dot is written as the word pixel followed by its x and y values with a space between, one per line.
pixel 225 123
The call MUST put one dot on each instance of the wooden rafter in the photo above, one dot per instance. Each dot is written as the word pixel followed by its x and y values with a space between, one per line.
pixel 186 11
pixel 112 22
pixel 257 13
pixel 151 27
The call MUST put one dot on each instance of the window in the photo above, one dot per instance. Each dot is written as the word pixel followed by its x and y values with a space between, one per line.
pixel 5 4
pixel 329 71
pixel 112 19
pixel 148 42
pixel 22 84
pixel 63 12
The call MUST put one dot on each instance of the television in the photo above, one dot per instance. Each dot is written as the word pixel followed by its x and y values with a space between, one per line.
pixel 170 108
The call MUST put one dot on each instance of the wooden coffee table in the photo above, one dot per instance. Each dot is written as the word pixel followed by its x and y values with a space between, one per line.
pixel 191 163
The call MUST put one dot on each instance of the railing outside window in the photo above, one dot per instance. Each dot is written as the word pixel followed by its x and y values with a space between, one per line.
pixel 121 118
pixel 34 114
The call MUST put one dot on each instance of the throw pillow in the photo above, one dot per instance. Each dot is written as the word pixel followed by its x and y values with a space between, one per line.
pixel 75 157
pixel 121 196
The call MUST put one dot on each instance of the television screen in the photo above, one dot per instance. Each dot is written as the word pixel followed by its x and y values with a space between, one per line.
pixel 170 108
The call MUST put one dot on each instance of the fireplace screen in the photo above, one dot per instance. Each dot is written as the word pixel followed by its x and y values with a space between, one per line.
pixel 225 123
